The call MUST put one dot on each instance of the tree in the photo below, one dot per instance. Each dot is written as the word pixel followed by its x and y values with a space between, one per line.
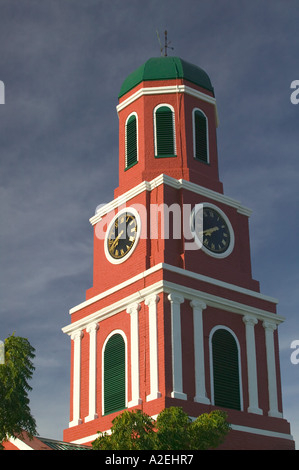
pixel 17 370
pixel 131 430
pixel 173 430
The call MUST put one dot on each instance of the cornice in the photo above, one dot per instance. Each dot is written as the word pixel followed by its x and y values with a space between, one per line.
pixel 173 288
pixel 170 89
pixel 174 183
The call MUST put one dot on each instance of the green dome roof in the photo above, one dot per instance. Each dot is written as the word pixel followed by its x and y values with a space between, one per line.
pixel 165 68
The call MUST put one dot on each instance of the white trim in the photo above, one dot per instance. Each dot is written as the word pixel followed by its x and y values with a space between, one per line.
pixel 166 105
pixel 92 397
pixel 221 302
pixel 174 183
pixel 199 355
pixel 151 302
pixel 76 336
pixel 168 287
pixel 216 282
pixel 253 407
pixel 181 271
pixel 270 327
pixel 194 134
pixel 112 333
pixel 262 432
pixel 133 311
pixel 127 255
pixel 222 327
pixel 19 443
pixel 198 208
pixel 234 427
pixel 176 345
pixel 157 90
pixel 137 139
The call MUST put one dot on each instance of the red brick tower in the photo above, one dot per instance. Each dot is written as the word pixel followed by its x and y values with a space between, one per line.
pixel 174 317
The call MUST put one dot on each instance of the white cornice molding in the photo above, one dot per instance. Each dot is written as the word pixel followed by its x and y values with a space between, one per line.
pixel 222 303
pixel 173 288
pixel 174 183
pixel 175 269
pixel 158 90
pixel 236 427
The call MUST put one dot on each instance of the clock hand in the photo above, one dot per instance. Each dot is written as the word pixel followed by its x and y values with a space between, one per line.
pixel 116 240
pixel 209 231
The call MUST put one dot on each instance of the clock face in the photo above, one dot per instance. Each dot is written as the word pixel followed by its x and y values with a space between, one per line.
pixel 212 228
pixel 122 236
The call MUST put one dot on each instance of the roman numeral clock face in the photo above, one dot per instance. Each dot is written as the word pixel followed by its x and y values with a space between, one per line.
pixel 212 231
pixel 122 236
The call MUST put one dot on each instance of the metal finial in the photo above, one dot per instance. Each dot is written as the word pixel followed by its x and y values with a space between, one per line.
pixel 166 44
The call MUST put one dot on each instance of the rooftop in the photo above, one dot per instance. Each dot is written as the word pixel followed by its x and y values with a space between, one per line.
pixel 166 68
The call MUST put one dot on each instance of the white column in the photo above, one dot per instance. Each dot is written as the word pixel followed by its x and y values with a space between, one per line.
pixel 76 337
pixel 151 302
pixel 92 330
pixel 251 365
pixel 199 359
pixel 177 369
pixel 133 310
pixel 270 327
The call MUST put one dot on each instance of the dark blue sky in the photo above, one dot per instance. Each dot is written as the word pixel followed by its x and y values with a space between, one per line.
pixel 63 63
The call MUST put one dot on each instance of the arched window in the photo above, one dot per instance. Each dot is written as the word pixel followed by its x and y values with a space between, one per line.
pixel 200 136
pixel 114 374
pixel 164 132
pixel 225 370
pixel 131 141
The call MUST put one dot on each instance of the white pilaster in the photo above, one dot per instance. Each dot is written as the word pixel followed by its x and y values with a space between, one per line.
pixel 92 330
pixel 270 327
pixel 250 322
pixel 200 376
pixel 151 302
pixel 76 337
pixel 133 310
pixel 177 369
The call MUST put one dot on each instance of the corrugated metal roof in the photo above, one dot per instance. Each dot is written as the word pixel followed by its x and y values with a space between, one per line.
pixel 61 445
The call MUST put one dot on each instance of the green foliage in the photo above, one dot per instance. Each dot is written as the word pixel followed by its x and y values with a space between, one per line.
pixel 173 430
pixel 208 431
pixel 130 431
pixel 15 415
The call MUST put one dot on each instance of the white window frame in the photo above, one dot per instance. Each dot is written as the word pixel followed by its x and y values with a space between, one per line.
pixel 194 139
pixel 222 327
pixel 155 127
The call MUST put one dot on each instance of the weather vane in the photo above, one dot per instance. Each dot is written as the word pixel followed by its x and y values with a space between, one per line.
pixel 166 44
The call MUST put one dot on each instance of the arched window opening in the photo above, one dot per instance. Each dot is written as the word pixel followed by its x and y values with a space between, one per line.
pixel 225 370
pixel 131 141
pixel 164 132
pixel 114 374
pixel 200 136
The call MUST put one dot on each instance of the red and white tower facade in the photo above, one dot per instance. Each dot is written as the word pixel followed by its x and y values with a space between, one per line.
pixel 174 317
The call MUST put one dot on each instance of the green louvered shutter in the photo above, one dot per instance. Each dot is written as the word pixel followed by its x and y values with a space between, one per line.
pixel 164 132
pixel 200 130
pixel 131 141
pixel 114 374
pixel 226 370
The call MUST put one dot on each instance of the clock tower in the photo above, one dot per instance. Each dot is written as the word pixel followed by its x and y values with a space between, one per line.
pixel 174 317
